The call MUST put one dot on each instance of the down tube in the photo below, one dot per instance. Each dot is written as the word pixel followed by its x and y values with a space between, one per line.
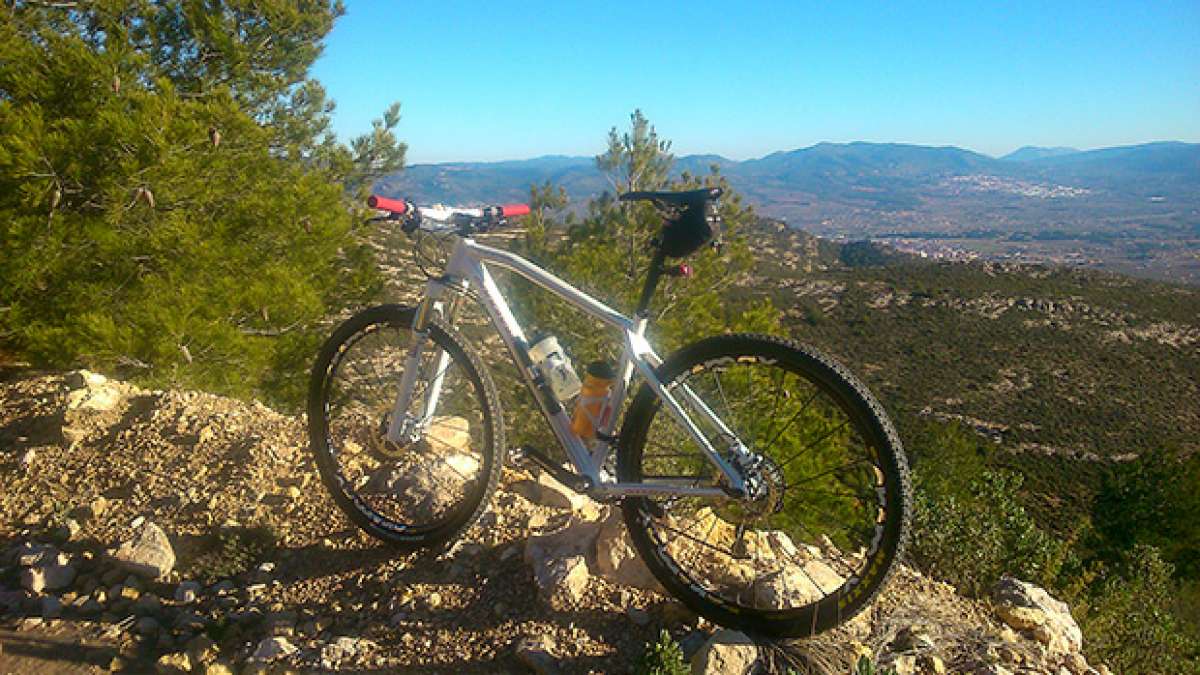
pixel 512 335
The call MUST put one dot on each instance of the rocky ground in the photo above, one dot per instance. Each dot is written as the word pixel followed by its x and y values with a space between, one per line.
pixel 185 532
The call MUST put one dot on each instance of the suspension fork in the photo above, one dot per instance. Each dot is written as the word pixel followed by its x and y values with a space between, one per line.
pixel 402 426
pixel 440 363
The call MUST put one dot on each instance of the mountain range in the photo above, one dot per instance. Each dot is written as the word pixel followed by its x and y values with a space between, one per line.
pixel 1132 208
pixel 829 170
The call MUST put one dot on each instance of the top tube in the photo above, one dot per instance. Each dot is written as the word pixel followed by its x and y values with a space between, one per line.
pixel 527 270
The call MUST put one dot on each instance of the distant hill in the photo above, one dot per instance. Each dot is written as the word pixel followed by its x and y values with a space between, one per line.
pixel 1135 209
pixel 1150 169
pixel 1029 152
pixel 865 159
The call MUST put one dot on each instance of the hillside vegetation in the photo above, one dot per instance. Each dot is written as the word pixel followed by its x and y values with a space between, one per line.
pixel 1048 413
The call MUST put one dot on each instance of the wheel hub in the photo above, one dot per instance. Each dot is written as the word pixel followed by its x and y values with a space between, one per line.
pixel 382 447
pixel 765 486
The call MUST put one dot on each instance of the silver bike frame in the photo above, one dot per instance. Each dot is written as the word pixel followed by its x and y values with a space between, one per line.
pixel 468 267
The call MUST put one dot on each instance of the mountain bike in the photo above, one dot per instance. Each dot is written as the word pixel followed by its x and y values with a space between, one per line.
pixel 761 483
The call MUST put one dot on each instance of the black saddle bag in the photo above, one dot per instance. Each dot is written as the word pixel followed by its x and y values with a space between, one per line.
pixel 696 225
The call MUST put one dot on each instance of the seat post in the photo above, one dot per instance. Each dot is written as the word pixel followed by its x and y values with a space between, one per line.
pixel 652 277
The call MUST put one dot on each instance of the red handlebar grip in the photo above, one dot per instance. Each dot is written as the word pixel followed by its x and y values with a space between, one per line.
pixel 509 210
pixel 385 204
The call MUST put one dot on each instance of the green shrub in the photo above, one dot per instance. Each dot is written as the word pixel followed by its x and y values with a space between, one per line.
pixel 663 657
pixel 1152 500
pixel 227 552
pixel 972 540
pixel 1128 622
pixel 969 526
pixel 172 207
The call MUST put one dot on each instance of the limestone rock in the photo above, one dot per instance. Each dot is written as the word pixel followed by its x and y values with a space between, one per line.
pixel 796 585
pixel 1027 607
pixel 534 654
pixel 147 625
pixel 148 554
pixel 617 560
pixel 187 591
pixel 344 649
pixel 52 607
pixel 902 664
pixel 727 652
pixel 201 649
pixel 30 555
pixel 93 393
pixel 84 379
pixel 912 639
pixel 931 663
pixel 422 486
pixel 562 581
pixel 176 662
pixel 52 577
pixel 559 562
pixel 576 538
pixel 448 434
pixel 273 648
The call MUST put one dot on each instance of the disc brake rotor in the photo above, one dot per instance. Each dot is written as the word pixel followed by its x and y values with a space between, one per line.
pixel 766 485
pixel 381 447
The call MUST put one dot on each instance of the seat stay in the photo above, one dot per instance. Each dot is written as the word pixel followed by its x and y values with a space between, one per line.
pixel 645 360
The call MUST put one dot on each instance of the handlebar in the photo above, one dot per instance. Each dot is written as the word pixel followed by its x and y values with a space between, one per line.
pixel 446 218
pixel 397 206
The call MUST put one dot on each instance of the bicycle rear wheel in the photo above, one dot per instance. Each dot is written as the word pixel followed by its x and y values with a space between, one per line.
pixel 434 484
pixel 829 515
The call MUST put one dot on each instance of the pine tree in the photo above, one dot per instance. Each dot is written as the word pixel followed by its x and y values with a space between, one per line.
pixel 173 205
pixel 607 253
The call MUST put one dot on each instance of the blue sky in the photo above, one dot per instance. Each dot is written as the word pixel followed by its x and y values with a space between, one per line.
pixel 490 80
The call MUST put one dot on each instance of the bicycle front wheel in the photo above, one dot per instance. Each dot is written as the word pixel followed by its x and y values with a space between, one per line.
pixel 829 507
pixel 432 485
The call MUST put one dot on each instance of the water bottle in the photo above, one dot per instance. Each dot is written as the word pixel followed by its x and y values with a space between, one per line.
pixel 549 359
pixel 596 383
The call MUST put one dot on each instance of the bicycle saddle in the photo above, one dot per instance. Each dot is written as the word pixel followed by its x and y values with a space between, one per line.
pixel 684 198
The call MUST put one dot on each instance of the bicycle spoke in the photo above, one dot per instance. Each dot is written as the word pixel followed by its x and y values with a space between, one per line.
pixel 707 535
pixel 698 541
pixel 815 443
pixel 826 473
pixel 790 421
pixel 721 390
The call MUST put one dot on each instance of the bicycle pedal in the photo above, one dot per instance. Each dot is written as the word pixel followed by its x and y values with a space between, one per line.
pixel 518 457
